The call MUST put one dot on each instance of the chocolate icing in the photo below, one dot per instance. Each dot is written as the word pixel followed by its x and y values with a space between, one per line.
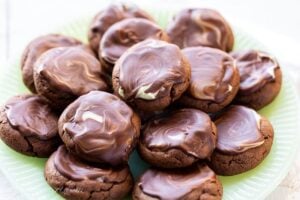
pixel 122 35
pixel 238 130
pixel 31 116
pixel 73 168
pixel 200 27
pixel 36 48
pixel 176 184
pixel 187 129
pixel 150 69
pixel 256 69
pixel 100 127
pixel 71 69
pixel 212 72
pixel 107 17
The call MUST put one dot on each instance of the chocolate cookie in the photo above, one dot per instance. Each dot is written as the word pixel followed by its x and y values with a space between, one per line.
pixel 151 75
pixel 99 127
pixel 193 183
pixel 201 27
pixel 75 179
pixel 214 79
pixel 124 34
pixel 178 139
pixel 260 78
pixel 36 48
pixel 64 73
pixel 110 15
pixel 244 140
pixel 29 126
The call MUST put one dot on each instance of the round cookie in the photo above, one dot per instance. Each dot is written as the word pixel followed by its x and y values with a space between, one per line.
pixel 151 75
pixel 260 78
pixel 124 34
pixel 110 15
pixel 99 127
pixel 193 183
pixel 75 179
pixel 29 126
pixel 178 139
pixel 214 79
pixel 201 27
pixel 244 140
pixel 36 48
pixel 62 74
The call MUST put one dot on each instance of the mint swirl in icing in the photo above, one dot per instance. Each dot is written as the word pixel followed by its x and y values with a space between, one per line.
pixel 71 69
pixel 175 184
pixel 212 72
pixel 256 69
pixel 187 129
pixel 200 27
pixel 150 69
pixel 73 168
pixel 32 116
pixel 100 128
pixel 239 130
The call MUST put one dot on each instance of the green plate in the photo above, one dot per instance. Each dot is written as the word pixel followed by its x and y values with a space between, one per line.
pixel 26 173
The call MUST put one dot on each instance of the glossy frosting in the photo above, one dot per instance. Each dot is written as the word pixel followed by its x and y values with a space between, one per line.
pixel 150 69
pixel 174 185
pixel 107 17
pixel 36 48
pixel 256 69
pixel 212 72
pixel 74 169
pixel 187 129
pixel 100 127
pixel 200 27
pixel 238 130
pixel 124 34
pixel 71 69
pixel 31 116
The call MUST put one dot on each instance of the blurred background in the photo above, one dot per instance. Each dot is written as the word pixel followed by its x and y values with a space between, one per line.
pixel 276 23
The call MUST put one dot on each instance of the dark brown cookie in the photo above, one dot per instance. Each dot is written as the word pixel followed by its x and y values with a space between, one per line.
pixel 260 78
pixel 62 74
pixel 124 34
pixel 197 182
pixel 29 126
pixel 75 179
pixel 178 139
pixel 151 75
pixel 36 48
pixel 201 27
pixel 99 127
pixel 244 140
pixel 110 15
pixel 214 79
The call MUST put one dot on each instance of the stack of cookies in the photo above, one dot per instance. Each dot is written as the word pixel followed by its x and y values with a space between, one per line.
pixel 179 95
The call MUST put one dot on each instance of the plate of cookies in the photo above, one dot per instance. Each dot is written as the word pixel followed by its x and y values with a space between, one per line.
pixel 136 104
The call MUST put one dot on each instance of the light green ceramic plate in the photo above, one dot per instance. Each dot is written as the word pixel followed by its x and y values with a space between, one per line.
pixel 26 173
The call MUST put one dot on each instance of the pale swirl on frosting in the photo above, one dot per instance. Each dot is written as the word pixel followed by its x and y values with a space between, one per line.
pixel 124 34
pixel 99 124
pixel 32 116
pixel 212 72
pixel 174 185
pixel 71 69
pixel 150 69
pixel 74 169
pixel 187 129
pixel 256 69
pixel 239 130
pixel 201 27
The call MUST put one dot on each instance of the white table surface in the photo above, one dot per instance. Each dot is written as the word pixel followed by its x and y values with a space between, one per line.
pixel 274 22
